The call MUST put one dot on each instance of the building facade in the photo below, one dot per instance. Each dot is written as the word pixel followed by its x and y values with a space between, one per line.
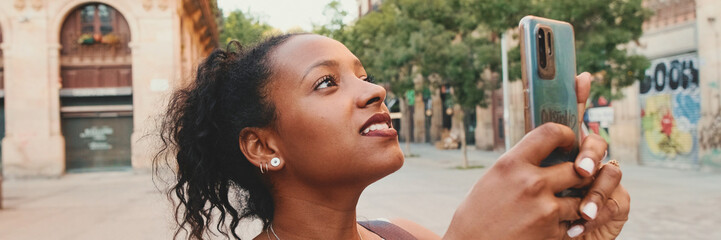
pixel 367 6
pixel 83 82
pixel 672 117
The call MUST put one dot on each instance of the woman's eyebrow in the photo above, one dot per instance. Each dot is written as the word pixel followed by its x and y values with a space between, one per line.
pixel 326 63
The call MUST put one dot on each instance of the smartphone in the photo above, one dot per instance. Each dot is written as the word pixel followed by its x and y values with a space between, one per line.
pixel 548 63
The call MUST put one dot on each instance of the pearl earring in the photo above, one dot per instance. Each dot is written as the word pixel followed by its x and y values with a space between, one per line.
pixel 275 162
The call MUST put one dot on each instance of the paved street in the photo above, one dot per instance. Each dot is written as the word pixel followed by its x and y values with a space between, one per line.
pixel 666 204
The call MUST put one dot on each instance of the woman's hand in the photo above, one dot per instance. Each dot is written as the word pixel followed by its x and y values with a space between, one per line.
pixel 607 196
pixel 515 198
pixel 610 219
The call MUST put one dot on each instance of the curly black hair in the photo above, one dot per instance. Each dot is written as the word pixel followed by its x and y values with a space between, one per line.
pixel 200 131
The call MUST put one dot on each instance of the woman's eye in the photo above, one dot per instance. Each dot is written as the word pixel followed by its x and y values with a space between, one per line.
pixel 326 81
pixel 370 79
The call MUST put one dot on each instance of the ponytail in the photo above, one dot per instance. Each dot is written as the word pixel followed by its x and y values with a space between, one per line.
pixel 199 132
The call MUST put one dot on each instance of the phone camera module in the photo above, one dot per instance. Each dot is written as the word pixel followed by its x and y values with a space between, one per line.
pixel 545 51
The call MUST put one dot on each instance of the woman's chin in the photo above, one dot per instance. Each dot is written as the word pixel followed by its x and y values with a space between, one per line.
pixel 392 160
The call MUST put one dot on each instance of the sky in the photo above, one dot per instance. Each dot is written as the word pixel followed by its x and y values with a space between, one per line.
pixel 286 14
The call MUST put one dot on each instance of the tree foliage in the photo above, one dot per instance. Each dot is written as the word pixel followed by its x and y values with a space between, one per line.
pixel 244 27
pixel 602 29
pixel 457 40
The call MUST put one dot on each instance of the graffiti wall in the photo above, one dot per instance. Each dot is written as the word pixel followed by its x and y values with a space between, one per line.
pixel 710 139
pixel 670 110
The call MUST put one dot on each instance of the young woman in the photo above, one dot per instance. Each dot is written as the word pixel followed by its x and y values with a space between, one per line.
pixel 293 130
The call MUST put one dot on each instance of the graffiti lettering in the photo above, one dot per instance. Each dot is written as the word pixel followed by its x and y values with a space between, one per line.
pixel 662 75
pixel 563 117
pixel 670 110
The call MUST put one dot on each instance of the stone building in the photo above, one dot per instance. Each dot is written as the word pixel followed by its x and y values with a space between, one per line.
pixel 82 81
pixel 672 117
pixel 367 6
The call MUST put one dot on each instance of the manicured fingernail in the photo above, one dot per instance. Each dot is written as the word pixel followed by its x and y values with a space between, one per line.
pixel 590 210
pixel 587 165
pixel 575 231
pixel 605 154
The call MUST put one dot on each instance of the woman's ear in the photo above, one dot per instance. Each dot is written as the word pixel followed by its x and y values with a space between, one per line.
pixel 260 148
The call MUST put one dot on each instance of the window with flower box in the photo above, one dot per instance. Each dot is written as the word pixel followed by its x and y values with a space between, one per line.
pixel 95 51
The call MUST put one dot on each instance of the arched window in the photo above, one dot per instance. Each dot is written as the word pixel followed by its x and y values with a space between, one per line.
pixel 95 53
pixel 95 30
pixel 97 19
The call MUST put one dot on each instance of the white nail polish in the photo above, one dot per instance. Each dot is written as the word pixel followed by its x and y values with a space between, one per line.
pixel 605 154
pixel 587 164
pixel 575 231
pixel 590 210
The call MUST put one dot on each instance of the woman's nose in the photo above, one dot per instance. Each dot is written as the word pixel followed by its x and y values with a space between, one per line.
pixel 371 94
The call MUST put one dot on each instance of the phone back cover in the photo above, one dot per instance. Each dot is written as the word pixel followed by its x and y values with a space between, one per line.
pixel 550 100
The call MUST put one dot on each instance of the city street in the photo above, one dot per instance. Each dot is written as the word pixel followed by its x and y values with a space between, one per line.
pixel 666 203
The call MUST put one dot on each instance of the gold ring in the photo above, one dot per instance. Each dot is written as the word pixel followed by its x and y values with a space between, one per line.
pixel 614 200
pixel 618 205
pixel 614 163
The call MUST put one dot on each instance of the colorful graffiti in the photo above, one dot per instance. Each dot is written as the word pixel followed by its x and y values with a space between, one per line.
pixel 670 111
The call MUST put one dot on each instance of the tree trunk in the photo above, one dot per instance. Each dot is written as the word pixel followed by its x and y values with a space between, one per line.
pixel 485 128
pixel 406 124
pixel 419 118
pixel 460 131
pixel 419 108
pixel 436 109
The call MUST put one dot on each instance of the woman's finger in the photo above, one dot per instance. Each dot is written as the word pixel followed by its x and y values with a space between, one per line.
pixel 614 215
pixel 578 175
pixel 568 208
pixel 583 90
pixel 574 230
pixel 540 142
pixel 564 176
pixel 583 87
pixel 590 155
pixel 606 182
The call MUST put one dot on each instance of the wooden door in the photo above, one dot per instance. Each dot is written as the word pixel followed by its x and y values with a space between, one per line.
pixel 97 142
pixel 96 94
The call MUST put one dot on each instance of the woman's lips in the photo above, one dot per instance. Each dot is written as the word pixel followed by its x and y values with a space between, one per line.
pixel 378 125
pixel 382 133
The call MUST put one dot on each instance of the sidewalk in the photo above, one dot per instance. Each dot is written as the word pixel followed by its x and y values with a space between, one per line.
pixel 666 203
pixel 102 205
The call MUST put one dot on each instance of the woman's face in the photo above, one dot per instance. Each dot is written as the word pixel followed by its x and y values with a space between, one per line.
pixel 332 125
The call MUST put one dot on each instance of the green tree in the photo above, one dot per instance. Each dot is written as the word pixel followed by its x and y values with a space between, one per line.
pixel 335 27
pixel 603 28
pixel 244 27
pixel 458 40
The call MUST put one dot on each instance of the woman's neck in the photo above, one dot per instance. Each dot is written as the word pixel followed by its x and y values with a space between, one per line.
pixel 316 214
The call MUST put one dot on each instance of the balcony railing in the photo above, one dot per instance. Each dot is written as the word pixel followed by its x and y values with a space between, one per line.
pixel 82 49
